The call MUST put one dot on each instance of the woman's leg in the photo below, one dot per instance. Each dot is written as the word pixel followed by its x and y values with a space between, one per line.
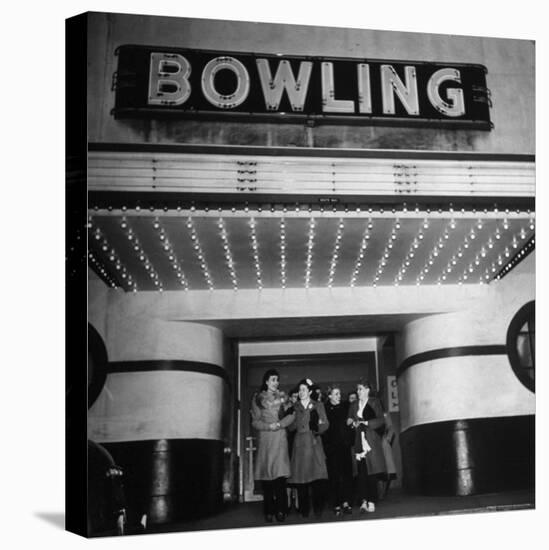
pixel 362 481
pixel 372 488
pixel 346 477
pixel 280 497
pixel 318 490
pixel 303 497
pixel 268 500
pixel 333 479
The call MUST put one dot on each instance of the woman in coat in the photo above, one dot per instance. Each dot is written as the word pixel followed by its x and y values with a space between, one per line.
pixel 272 465
pixel 337 440
pixel 308 465
pixel 366 416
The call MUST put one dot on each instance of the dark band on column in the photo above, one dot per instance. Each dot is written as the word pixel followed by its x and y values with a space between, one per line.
pixel 446 353
pixel 168 365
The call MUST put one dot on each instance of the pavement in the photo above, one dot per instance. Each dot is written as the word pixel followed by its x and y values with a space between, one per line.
pixel 396 504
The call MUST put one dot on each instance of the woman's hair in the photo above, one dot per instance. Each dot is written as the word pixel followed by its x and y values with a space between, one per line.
pixel 332 387
pixel 365 383
pixel 317 393
pixel 266 376
pixel 306 382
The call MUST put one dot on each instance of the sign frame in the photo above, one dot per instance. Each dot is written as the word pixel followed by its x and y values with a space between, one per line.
pixel 132 83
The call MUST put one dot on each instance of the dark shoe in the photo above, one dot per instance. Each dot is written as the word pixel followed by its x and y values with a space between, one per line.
pixel 304 514
pixel 280 517
pixel 269 518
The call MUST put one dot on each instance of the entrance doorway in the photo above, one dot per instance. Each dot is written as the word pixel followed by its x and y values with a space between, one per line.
pixel 322 368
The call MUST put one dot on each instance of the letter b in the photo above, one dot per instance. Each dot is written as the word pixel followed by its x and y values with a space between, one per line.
pixel 169 79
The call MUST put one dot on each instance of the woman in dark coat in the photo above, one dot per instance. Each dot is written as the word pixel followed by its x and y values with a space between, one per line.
pixel 337 440
pixel 366 416
pixel 308 464
pixel 272 465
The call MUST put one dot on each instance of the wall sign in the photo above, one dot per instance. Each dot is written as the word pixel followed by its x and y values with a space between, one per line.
pixel 392 394
pixel 198 83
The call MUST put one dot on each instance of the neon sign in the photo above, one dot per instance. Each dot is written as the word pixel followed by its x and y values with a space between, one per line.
pixel 204 83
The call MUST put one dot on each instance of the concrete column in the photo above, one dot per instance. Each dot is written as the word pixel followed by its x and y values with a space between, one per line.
pixel 160 414
pixel 467 422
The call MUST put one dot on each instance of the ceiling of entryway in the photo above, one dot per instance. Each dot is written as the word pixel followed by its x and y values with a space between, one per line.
pixel 182 221
pixel 291 327
pixel 304 247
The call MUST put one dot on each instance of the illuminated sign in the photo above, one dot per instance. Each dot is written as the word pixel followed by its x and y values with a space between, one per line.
pixel 198 83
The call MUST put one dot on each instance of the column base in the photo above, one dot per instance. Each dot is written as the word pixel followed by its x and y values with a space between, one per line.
pixel 466 457
pixel 170 479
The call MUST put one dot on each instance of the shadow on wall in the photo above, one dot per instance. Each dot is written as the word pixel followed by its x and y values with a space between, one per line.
pixel 468 457
pixel 57 519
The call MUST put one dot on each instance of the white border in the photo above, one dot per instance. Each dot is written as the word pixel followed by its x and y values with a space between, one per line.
pixel 33 268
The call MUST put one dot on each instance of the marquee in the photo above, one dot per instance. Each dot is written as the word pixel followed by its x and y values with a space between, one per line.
pixel 194 83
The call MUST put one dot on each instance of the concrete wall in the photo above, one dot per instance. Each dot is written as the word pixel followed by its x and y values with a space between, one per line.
pixel 510 65
pixel 471 386
pixel 323 374
pixel 160 401
pixel 141 406
pixel 98 302
pixel 304 347
pixel 401 303
pixel 157 405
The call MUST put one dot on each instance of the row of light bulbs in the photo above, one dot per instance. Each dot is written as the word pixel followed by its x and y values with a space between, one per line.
pixel 167 247
pixel 335 253
pixel 172 258
pixel 361 253
pixel 99 268
pixel 227 252
pixel 255 253
pixel 197 247
pixel 310 246
pixel 141 255
pixel 417 241
pixel 386 253
pixel 113 258
pixel 481 253
pixel 437 249
pixel 405 209
pixel 283 253
pixel 456 257
pixel 520 255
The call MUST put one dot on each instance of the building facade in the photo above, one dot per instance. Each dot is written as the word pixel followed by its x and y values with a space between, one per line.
pixel 334 203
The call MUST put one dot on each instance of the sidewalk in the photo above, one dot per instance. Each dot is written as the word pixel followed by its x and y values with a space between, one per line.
pixel 396 504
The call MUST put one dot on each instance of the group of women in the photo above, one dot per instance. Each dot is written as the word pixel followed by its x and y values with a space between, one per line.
pixel 334 441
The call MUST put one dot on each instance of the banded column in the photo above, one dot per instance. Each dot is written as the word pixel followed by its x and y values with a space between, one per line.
pixel 160 414
pixel 467 422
